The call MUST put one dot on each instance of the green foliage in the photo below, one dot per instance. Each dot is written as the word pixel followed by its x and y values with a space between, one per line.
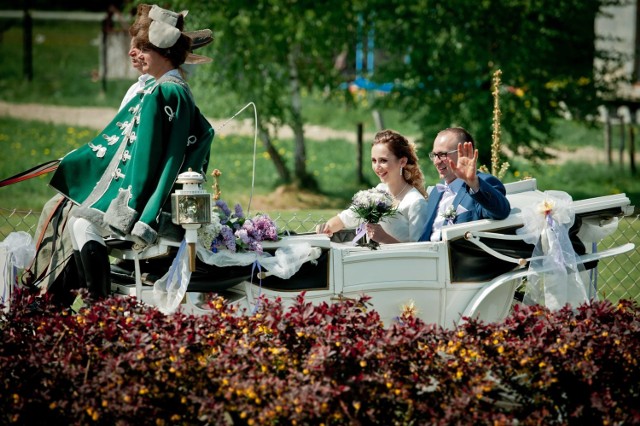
pixel 271 53
pixel 441 55
pixel 572 134
pixel 447 51
pixel 453 48
pixel 580 181
pixel 120 362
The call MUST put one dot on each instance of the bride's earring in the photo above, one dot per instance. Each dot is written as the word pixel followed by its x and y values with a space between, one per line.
pixel 401 170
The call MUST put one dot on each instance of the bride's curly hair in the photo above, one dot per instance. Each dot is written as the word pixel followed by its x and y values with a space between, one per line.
pixel 401 147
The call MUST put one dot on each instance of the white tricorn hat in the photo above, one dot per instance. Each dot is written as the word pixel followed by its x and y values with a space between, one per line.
pixel 163 32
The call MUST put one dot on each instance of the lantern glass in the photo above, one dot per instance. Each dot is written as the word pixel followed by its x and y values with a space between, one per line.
pixel 193 208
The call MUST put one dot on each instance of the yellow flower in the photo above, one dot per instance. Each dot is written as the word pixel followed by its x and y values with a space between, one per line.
pixel 409 309
pixel 546 206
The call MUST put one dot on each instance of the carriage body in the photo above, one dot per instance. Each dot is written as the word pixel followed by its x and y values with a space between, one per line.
pixel 474 271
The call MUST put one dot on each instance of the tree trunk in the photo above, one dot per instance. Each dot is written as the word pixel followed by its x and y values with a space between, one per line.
pixel 281 168
pixel 300 156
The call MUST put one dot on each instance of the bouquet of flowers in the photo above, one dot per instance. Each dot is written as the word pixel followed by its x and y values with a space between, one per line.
pixel 235 232
pixel 372 205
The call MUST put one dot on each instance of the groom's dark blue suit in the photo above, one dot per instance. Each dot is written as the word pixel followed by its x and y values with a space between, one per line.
pixel 488 203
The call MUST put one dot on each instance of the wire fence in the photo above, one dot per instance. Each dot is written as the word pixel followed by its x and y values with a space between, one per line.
pixel 616 278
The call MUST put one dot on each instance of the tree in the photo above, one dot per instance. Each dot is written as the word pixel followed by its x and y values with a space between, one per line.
pixel 441 55
pixel 447 50
pixel 273 52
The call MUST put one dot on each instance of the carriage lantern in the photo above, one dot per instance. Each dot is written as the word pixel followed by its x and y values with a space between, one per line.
pixel 190 208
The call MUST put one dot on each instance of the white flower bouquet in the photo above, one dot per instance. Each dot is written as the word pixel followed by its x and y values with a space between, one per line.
pixel 371 206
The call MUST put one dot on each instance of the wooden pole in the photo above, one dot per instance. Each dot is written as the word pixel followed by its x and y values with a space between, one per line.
pixel 377 118
pixel 192 256
pixel 622 140
pixel 27 34
pixel 632 149
pixel 107 27
pixel 636 53
pixel 607 136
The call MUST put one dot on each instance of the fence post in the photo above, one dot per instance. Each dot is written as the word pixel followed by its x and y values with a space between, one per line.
pixel 359 144
pixel 107 27
pixel 27 34
pixel 632 148
pixel 625 117
pixel 606 119
pixel 377 118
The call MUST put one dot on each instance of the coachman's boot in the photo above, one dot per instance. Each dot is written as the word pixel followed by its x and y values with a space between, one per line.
pixel 96 268
pixel 82 281
pixel 70 278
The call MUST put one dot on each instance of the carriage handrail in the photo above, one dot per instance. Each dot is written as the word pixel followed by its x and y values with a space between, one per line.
pixel 474 237
pixel 475 302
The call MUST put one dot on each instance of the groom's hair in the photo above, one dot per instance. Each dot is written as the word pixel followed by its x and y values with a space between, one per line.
pixel 460 134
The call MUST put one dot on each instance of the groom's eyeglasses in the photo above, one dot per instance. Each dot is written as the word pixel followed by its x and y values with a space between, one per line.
pixel 440 155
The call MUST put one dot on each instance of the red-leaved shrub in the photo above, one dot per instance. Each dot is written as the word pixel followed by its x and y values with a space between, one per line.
pixel 118 362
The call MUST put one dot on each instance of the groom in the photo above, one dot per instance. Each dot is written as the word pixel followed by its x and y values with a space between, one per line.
pixel 465 193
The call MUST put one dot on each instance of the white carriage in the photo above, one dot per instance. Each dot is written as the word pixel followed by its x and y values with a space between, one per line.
pixel 473 272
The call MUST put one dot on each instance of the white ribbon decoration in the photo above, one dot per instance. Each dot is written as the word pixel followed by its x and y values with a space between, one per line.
pixel 169 290
pixel 16 252
pixel 556 279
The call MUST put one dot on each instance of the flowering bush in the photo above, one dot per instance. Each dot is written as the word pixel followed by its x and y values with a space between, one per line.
pixel 120 362
pixel 235 232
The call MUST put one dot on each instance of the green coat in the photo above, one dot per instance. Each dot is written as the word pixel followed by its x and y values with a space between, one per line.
pixel 123 178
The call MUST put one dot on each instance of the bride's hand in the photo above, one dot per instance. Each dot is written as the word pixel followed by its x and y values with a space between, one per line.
pixel 324 228
pixel 375 232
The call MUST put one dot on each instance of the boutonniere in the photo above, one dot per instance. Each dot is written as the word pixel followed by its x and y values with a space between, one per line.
pixel 451 213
